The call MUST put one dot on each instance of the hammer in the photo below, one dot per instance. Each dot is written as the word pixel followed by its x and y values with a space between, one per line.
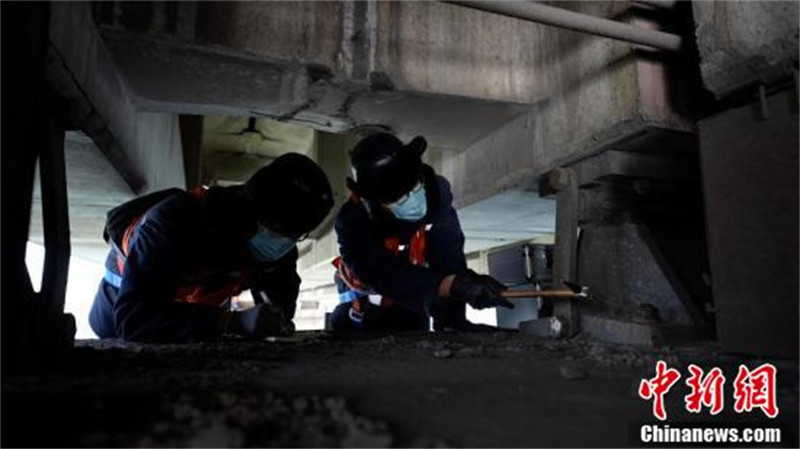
pixel 573 290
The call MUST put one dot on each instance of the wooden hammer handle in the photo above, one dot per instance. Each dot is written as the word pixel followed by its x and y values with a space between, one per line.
pixel 519 294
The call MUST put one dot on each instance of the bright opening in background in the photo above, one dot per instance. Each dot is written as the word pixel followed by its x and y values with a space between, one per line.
pixel 82 281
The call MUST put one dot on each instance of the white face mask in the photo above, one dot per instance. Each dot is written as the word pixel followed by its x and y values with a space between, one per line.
pixel 411 207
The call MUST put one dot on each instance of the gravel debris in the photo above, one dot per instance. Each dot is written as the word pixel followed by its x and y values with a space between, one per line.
pixel 443 354
pixel 572 373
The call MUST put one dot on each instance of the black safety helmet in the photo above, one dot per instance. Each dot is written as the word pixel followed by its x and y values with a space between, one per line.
pixel 384 169
pixel 290 196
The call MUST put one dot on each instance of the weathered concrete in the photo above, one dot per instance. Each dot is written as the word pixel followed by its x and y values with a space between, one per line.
pixel 452 123
pixel 231 153
pixel 619 265
pixel 159 142
pixel 182 78
pixel 470 81
pixel 332 154
pixel 750 177
pixel 144 148
pixel 81 71
pixel 743 43
pixel 418 46
pixel 93 187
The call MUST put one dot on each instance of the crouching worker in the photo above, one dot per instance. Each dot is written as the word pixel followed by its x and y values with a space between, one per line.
pixel 402 249
pixel 178 257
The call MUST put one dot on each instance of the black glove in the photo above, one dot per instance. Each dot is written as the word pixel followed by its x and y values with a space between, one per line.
pixel 479 290
pixel 261 321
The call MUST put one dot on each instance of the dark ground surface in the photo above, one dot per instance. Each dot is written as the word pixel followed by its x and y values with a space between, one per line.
pixel 442 390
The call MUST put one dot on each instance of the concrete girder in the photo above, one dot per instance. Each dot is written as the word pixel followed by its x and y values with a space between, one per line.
pixel 144 148
pixel 394 67
pixel 738 50
pixel 416 46
pixel 178 78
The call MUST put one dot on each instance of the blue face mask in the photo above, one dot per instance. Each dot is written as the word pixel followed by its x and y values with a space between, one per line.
pixel 411 207
pixel 267 246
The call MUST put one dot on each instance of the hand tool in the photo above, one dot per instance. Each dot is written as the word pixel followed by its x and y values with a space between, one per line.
pixel 573 290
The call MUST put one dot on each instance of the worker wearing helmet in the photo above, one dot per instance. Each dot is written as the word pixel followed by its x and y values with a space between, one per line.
pixel 402 248
pixel 178 257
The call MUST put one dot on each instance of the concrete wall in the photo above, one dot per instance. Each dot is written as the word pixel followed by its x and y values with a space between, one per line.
pixel 158 142
pixel 743 43
pixel 750 171
pixel 94 187
pixel 332 154
pixel 750 175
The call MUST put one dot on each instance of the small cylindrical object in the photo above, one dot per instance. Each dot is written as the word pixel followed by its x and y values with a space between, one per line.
pixel 762 102
pixel 526 253
pixel 518 294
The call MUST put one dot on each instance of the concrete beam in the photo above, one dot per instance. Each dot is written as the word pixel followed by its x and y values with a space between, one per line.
pixel 179 78
pixel 746 43
pixel 82 72
pixel 416 46
pixel 140 146
pixel 507 104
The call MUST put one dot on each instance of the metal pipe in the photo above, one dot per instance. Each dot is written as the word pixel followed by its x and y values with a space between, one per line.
pixel 570 20
pixel 663 4
pixel 762 102
pixel 521 294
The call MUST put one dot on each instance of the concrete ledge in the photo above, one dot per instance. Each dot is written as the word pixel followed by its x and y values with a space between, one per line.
pixel 642 334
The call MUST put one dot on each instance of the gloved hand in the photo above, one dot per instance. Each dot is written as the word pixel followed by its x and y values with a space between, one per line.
pixel 479 290
pixel 261 321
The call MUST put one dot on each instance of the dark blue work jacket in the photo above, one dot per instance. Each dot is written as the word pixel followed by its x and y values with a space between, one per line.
pixel 182 264
pixel 362 229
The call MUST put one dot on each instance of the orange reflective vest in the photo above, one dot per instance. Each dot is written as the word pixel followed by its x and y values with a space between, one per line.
pixel 417 246
pixel 193 290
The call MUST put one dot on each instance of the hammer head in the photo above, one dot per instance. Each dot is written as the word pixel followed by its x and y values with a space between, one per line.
pixel 581 290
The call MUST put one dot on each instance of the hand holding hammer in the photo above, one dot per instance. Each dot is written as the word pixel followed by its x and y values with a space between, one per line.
pixel 573 290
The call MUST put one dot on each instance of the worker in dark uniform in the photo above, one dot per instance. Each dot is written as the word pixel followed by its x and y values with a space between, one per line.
pixel 402 248
pixel 178 257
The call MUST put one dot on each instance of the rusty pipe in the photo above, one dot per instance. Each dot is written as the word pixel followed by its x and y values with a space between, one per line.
pixel 519 294
pixel 548 15
pixel 662 4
